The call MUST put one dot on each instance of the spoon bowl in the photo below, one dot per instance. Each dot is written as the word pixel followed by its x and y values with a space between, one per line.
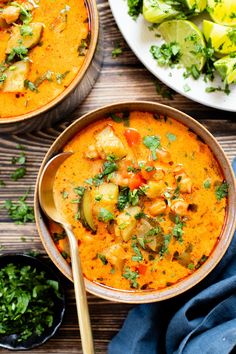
pixel 47 202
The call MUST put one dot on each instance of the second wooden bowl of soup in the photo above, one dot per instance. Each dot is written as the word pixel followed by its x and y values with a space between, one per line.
pixel 151 198
pixel 50 57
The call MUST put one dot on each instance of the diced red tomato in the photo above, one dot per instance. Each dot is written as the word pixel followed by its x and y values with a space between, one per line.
pixel 132 136
pixel 135 181
pixel 142 269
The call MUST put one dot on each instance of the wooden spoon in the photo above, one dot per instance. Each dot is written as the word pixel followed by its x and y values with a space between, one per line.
pixel 47 202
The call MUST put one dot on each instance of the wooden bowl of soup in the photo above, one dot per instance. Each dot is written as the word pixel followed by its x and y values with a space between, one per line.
pixel 50 57
pixel 151 198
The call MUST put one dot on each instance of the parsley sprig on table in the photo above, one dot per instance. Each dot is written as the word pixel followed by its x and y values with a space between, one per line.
pixel 26 301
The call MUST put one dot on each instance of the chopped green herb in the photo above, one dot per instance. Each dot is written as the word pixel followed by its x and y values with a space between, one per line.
pixel 152 142
pixel 177 230
pixel 21 159
pixel 120 117
pixel 164 248
pixel 79 190
pixel 109 167
pixel 138 255
pixel 191 266
pixel 135 8
pixel 27 301
pixel 102 258
pixel 30 85
pixel 2 78
pixel 221 191
pixel 140 215
pixel 186 88
pixel 150 168
pixel 2 183
pixel 26 30
pixel 60 77
pixel 171 137
pixel 123 198
pixel 19 212
pixel 164 91
pixel 64 194
pixel 117 51
pixel 105 215
pixel 207 184
pixel 98 197
pixel 18 173
pixel 167 54
pixel 20 52
pixel 132 276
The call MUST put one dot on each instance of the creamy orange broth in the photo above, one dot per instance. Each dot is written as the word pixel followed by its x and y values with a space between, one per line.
pixel 57 52
pixel 201 221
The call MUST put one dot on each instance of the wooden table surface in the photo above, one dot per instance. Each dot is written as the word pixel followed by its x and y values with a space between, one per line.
pixel 122 78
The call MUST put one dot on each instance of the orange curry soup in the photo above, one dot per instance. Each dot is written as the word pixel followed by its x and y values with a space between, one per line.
pixel 146 199
pixel 43 44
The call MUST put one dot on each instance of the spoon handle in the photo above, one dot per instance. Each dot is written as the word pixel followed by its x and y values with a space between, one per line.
pixel 80 295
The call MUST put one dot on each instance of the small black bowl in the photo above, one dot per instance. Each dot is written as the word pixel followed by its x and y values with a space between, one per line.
pixel 11 341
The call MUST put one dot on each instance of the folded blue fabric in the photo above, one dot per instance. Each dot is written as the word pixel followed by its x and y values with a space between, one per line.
pixel 202 320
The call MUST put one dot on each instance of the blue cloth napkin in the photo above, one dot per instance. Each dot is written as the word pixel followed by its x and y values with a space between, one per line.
pixel 200 321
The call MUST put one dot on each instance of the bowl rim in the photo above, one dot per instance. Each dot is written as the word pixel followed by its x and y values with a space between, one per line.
pixel 227 230
pixel 48 269
pixel 91 6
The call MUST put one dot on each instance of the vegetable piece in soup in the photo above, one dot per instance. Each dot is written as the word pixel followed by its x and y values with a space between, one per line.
pixel 43 46
pixel 147 203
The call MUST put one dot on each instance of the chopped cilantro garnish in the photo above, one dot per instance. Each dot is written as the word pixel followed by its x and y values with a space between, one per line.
pixel 19 212
pixel 221 191
pixel 138 255
pixel 167 54
pixel 171 137
pixel 164 91
pixel 21 52
pixel 117 51
pixel 152 142
pixel 135 8
pixel 132 276
pixel 60 77
pixel 30 85
pixel 26 30
pixel 102 258
pixel 207 184
pixel 18 173
pixel 105 215
pixel 164 248
pixel 27 301
pixel 177 230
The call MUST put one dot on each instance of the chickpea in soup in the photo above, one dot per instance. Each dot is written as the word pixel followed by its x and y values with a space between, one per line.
pixel 43 45
pixel 146 199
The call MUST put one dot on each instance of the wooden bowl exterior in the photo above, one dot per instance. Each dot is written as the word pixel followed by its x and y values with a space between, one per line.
pixel 227 232
pixel 72 96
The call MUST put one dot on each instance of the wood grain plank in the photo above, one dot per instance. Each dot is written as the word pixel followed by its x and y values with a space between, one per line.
pixel 123 78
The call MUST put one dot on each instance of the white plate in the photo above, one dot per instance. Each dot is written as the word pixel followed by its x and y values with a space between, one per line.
pixel 140 39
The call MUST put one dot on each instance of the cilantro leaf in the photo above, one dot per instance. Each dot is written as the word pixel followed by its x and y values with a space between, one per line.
pixel 221 191
pixel 132 276
pixel 152 142
pixel 167 54
pixel 135 8
pixel 105 215
pixel 19 211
